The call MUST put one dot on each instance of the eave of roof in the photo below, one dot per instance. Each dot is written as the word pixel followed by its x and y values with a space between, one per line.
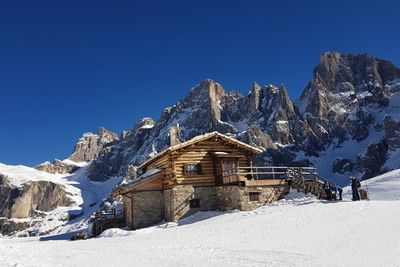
pixel 140 180
pixel 200 138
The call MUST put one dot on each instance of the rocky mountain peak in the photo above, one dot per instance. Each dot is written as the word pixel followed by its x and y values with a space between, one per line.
pixel 285 103
pixel 347 80
pixel 145 123
pixel 89 145
pixel 255 88
pixel 204 93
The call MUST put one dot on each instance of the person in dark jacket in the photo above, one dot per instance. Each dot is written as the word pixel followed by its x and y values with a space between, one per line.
pixel 328 191
pixel 355 184
pixel 340 191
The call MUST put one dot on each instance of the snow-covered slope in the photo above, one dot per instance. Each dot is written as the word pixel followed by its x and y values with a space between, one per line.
pixel 383 187
pixel 298 231
pixel 20 175
pixel 85 197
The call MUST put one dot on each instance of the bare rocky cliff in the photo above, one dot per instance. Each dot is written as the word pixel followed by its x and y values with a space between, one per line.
pixel 27 203
pixel 90 145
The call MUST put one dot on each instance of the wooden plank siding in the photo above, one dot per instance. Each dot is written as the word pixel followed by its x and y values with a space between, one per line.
pixel 164 163
pixel 199 151
pixel 203 153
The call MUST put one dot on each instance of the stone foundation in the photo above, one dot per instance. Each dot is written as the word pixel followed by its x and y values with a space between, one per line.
pixel 147 208
pixel 152 207
pixel 266 195
pixel 177 200
pixel 238 197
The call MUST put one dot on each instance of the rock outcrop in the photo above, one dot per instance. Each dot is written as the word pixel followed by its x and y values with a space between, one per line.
pixel 90 145
pixel 57 166
pixel 26 202
pixel 372 161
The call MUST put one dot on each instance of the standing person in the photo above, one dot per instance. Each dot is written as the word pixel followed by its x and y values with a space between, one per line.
pixel 340 191
pixel 327 190
pixel 355 184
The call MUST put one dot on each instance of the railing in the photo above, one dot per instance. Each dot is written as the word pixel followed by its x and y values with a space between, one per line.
pixel 274 172
pixel 322 180
pixel 106 219
pixel 108 214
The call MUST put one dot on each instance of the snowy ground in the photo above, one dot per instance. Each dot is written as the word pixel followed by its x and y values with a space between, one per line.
pixel 296 231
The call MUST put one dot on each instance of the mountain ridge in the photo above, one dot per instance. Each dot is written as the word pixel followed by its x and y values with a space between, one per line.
pixel 334 107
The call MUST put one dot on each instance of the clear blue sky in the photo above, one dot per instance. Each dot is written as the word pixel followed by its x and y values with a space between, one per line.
pixel 68 67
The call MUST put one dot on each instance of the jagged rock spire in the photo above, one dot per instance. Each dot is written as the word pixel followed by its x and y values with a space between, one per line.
pixel 89 145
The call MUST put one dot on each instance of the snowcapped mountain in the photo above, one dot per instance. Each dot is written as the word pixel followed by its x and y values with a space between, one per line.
pixel 346 122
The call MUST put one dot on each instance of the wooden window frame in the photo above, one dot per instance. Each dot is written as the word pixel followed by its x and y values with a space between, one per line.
pixel 254 196
pixel 199 169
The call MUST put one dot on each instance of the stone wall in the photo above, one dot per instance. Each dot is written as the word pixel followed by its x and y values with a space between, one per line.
pixel 152 207
pixel 237 197
pixel 267 195
pixel 228 197
pixel 147 208
pixel 177 201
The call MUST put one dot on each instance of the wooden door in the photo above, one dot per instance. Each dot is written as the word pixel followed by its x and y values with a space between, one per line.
pixel 229 170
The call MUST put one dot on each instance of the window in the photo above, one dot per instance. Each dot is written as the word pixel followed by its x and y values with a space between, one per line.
pixel 192 169
pixel 194 203
pixel 254 196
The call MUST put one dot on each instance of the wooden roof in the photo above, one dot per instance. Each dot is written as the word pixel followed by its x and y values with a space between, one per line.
pixel 147 182
pixel 200 138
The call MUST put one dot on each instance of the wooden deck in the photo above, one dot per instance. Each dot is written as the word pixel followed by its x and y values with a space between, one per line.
pixel 267 176
pixel 276 182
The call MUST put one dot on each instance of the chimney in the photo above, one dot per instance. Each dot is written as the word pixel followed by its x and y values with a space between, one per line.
pixel 174 133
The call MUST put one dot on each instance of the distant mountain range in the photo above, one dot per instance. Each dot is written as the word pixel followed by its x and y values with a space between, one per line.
pixel 346 122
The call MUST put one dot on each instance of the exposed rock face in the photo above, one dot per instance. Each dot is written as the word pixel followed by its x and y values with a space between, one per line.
pixel 27 202
pixel 116 159
pixel 392 132
pixel 373 160
pixel 346 102
pixel 90 145
pixel 57 166
pixel 354 99
pixel 344 83
pixel 255 137
pixel 342 166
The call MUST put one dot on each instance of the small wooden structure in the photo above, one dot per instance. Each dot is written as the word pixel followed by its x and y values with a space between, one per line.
pixel 209 172
pixel 206 160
